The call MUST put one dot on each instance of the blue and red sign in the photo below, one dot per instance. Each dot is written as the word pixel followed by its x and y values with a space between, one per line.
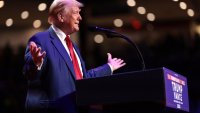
pixel 176 90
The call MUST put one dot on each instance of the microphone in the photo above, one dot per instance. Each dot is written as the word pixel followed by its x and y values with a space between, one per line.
pixel 112 34
pixel 108 32
pixel 95 28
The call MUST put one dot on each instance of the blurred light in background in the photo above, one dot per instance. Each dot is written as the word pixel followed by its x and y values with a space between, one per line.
pixel 190 12
pixel 183 5
pixel 141 10
pixel 197 29
pixel 131 3
pixel 151 17
pixel 118 22
pixel 136 24
pixel 175 0
pixel 37 23
pixel 1 3
pixel 24 14
pixel 42 6
pixel 9 22
pixel 98 38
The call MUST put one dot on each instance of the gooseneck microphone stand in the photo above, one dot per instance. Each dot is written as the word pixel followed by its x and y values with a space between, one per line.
pixel 113 34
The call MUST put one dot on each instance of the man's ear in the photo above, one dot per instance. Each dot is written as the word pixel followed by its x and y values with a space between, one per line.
pixel 60 17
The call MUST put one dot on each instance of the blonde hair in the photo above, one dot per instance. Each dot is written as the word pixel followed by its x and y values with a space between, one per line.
pixel 59 6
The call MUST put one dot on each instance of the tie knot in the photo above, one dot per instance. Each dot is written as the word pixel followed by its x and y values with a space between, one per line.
pixel 67 38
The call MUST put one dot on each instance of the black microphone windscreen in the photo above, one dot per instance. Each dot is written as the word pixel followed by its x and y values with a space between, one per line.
pixel 93 28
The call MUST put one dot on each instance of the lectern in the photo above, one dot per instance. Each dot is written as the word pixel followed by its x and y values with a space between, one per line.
pixel 154 90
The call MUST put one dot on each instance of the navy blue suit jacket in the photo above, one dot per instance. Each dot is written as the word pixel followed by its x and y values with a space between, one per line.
pixel 54 85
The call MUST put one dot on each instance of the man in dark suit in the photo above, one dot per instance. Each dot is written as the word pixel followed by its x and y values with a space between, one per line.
pixel 52 65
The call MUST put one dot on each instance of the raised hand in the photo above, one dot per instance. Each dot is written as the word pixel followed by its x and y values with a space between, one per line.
pixel 37 56
pixel 116 63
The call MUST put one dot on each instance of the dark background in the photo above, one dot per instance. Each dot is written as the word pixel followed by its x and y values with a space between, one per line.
pixel 171 41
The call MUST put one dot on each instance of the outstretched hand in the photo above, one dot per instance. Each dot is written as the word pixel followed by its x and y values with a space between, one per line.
pixel 116 63
pixel 37 56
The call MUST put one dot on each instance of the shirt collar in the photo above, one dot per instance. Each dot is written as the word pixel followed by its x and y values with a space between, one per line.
pixel 59 32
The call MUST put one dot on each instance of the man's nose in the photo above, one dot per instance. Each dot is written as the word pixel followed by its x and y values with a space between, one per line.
pixel 80 18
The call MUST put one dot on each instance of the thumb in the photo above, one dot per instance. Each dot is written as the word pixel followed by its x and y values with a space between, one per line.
pixel 109 56
pixel 33 44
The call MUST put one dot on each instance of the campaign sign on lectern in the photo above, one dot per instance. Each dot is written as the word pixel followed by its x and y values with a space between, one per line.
pixel 176 90
pixel 152 88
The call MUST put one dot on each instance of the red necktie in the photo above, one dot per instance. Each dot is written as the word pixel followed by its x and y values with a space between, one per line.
pixel 74 59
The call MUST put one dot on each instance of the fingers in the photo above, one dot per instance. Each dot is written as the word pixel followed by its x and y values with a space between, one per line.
pixel 122 64
pixel 33 50
pixel 33 43
pixel 119 61
pixel 115 59
pixel 109 56
pixel 36 53
pixel 32 47
pixel 116 63
pixel 43 54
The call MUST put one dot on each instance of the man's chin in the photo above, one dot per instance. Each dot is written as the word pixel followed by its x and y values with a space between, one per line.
pixel 76 29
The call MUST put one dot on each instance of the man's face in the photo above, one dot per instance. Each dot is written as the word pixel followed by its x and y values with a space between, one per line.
pixel 72 19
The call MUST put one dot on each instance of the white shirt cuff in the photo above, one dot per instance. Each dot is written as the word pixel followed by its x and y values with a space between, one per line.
pixel 111 68
pixel 40 66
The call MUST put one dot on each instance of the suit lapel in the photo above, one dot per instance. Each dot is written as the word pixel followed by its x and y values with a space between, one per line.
pixel 57 43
